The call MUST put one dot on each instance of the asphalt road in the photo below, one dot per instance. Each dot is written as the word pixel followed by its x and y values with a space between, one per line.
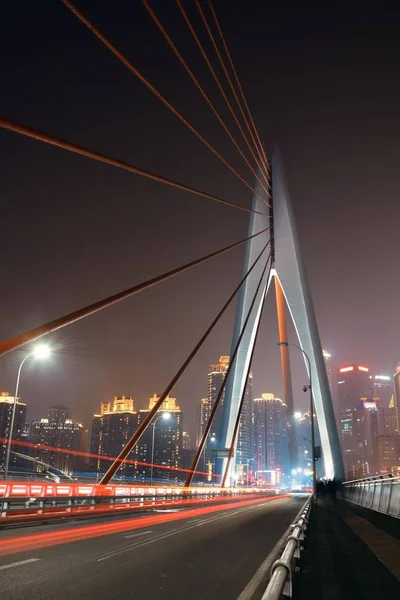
pixel 208 553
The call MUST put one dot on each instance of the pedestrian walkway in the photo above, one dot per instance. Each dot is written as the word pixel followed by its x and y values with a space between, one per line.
pixel 347 557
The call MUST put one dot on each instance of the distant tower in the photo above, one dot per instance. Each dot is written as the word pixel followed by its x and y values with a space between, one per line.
pixel 6 407
pixel 168 441
pixel 355 388
pixel 216 376
pixel 383 389
pixel 111 430
pixel 57 430
pixel 270 440
pixel 396 395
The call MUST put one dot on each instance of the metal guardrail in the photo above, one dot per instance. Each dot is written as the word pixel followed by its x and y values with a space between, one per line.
pixel 30 501
pixel 280 583
pixel 381 494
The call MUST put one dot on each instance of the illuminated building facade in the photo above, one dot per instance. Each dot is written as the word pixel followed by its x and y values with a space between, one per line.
pixel 216 377
pixel 57 430
pixel 6 407
pixel 383 389
pixel 396 396
pixel 388 456
pixel 111 430
pixel 186 441
pixel 303 438
pixel 358 421
pixel 269 435
pixel 167 451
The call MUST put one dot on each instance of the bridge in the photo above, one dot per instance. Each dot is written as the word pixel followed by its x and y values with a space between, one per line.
pixel 142 526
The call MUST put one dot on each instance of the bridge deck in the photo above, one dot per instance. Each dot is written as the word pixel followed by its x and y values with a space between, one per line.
pixel 348 556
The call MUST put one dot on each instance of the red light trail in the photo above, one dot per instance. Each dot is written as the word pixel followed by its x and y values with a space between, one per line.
pixel 100 456
pixel 30 542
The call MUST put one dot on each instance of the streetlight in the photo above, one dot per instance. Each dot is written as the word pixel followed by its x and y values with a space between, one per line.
pixel 41 352
pixel 311 413
pixel 248 461
pixel 166 416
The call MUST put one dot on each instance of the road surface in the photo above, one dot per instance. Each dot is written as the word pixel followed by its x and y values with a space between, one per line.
pixel 207 553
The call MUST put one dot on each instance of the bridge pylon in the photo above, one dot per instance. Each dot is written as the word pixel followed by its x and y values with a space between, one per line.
pixel 289 271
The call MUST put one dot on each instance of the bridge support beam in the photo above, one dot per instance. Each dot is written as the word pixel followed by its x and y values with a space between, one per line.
pixel 237 378
pixel 293 278
pixel 286 375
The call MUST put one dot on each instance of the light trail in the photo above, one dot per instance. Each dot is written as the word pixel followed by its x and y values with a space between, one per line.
pixel 30 542
pixel 41 447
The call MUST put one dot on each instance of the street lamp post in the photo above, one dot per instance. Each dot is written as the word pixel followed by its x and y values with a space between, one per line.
pixel 166 416
pixel 311 414
pixel 41 351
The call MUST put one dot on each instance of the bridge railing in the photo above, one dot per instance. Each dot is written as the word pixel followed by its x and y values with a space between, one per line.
pixel 19 501
pixel 281 578
pixel 376 493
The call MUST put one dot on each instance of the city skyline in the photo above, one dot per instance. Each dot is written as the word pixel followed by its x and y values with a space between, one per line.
pixel 380 392
pixel 325 159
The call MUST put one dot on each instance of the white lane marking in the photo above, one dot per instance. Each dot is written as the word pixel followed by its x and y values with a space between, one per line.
pixel 132 535
pixel 19 563
pixel 168 510
pixel 181 530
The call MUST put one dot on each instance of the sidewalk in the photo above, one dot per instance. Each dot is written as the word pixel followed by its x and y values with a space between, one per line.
pixel 347 557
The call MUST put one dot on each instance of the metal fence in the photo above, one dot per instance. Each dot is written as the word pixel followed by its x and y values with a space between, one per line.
pixel 377 493
pixel 22 501
pixel 280 583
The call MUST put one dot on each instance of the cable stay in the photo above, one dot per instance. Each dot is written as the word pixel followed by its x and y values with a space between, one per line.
pixel 38 332
pixel 221 89
pixel 238 83
pixel 152 89
pixel 222 389
pixel 150 415
pixel 196 82
pixel 114 162
pixel 237 423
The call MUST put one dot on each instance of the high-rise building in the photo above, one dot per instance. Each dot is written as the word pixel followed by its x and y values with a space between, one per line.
pixel 186 441
pixel 328 365
pixel 6 408
pixel 270 440
pixel 388 457
pixel 396 396
pixel 57 430
pixel 383 389
pixel 303 437
pixel 357 415
pixel 111 430
pixel 203 416
pixel 162 442
pixel 216 376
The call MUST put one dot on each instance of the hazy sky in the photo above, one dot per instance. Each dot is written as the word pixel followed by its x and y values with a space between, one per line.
pixel 322 81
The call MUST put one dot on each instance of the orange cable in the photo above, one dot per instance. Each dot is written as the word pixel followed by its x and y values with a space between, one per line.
pixel 200 88
pixel 210 35
pixel 237 78
pixel 150 87
pixel 212 71
pixel 65 145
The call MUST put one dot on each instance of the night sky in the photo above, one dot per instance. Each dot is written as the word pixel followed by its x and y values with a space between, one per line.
pixel 323 83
